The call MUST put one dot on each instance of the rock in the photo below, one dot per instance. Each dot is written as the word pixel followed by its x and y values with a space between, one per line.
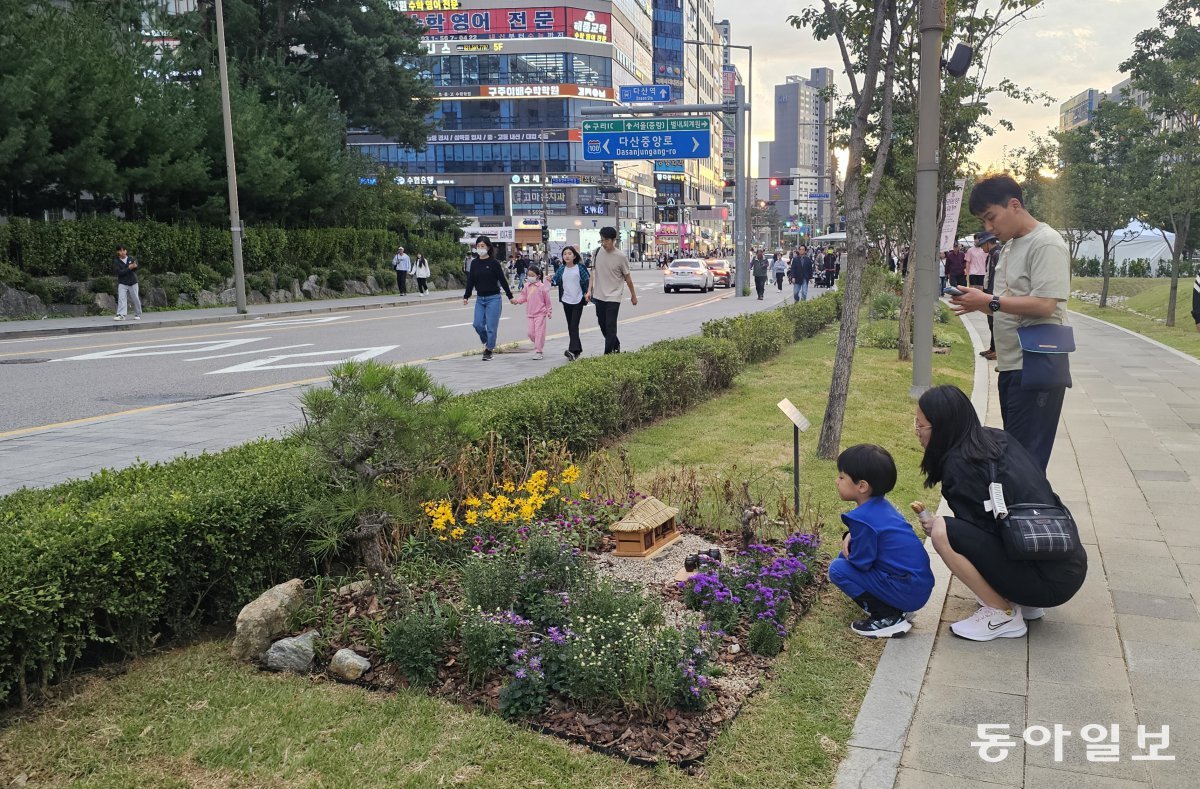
pixel 256 298
pixel 157 297
pixel 297 293
pixel 310 286
pixel 105 302
pixel 206 298
pixel 348 665
pixel 357 288
pixel 185 300
pixel 373 284
pixel 263 620
pixel 280 296
pixel 19 304
pixel 734 649
pixel 293 654
pixel 353 588
pixel 228 296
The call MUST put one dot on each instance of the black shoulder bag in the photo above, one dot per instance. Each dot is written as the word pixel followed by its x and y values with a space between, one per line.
pixel 1037 532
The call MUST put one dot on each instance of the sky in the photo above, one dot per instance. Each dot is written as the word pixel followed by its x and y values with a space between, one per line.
pixel 1063 48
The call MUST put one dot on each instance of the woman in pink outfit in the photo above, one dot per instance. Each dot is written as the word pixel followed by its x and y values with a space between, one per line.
pixel 536 298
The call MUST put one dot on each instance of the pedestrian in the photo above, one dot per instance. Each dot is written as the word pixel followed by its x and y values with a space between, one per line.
pixel 403 264
pixel 956 266
pixel 977 266
pixel 573 282
pixel 487 280
pixel 991 248
pixel 520 266
pixel 941 272
pixel 1196 301
pixel 882 566
pixel 800 273
pixel 536 298
pixel 759 268
pixel 1032 284
pixel 779 268
pixel 421 272
pixel 966 458
pixel 610 270
pixel 125 268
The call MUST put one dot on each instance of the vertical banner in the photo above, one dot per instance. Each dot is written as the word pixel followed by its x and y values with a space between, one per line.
pixel 950 223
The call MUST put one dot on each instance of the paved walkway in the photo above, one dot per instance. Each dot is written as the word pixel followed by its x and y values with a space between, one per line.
pixel 1125 650
pixel 44 457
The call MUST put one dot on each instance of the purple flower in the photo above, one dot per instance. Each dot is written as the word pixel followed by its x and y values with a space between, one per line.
pixel 520 673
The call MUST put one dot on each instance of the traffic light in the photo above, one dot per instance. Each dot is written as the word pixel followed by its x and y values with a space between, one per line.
pixel 609 190
pixel 785 181
pixel 545 235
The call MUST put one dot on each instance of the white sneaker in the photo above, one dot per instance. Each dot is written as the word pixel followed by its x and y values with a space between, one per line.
pixel 118 317
pixel 538 357
pixel 988 623
pixel 1028 612
pixel 137 317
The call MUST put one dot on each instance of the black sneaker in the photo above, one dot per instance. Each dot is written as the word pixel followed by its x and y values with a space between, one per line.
pixel 882 626
pixel 487 355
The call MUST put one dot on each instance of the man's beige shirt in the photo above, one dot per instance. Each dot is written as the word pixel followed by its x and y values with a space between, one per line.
pixel 1036 264
pixel 609 270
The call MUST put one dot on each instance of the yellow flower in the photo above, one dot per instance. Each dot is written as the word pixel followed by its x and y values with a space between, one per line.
pixel 472 517
pixel 570 474
pixel 585 495
pixel 508 487
pixel 553 491
pixel 457 534
pixel 472 501
pixel 442 538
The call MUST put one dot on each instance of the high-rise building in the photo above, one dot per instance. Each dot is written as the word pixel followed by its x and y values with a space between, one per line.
pixel 1077 110
pixel 801 151
pixel 511 77
pixel 730 79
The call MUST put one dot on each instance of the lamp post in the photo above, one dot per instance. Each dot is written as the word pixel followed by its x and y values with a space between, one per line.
pixel 235 220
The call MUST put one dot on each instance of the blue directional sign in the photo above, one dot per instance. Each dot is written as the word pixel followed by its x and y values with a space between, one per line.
pixel 818 195
pixel 649 94
pixel 652 138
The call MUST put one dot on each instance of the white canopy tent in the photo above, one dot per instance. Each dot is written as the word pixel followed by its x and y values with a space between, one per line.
pixel 830 238
pixel 1138 241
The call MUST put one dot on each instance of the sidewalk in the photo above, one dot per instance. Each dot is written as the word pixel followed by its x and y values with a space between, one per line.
pixel 54 454
pixel 1125 650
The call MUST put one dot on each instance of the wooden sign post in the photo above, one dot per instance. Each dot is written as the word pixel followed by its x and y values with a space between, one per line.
pixel 799 424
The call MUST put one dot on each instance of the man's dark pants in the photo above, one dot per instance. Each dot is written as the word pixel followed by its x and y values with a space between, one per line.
pixel 1030 415
pixel 606 315
pixel 760 285
pixel 401 284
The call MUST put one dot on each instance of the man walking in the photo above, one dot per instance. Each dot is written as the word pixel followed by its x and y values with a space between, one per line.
pixel 610 271
pixel 403 264
pixel 758 268
pixel 1033 282
pixel 520 266
pixel 125 268
pixel 800 273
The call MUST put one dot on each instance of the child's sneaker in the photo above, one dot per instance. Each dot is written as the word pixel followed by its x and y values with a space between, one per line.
pixel 887 626
pixel 988 623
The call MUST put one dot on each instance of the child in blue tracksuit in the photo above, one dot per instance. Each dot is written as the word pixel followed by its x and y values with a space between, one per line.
pixel 883 566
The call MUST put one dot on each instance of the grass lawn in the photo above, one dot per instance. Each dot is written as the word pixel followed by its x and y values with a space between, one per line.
pixel 193 717
pixel 1148 297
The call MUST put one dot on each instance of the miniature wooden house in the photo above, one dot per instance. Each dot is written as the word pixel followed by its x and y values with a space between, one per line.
pixel 647 527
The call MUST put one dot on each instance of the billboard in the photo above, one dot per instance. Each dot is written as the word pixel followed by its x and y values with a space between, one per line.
pixel 547 22
pixel 523 92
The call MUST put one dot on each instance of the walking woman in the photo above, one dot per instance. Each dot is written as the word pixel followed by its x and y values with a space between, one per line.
pixel 421 272
pixel 486 279
pixel 572 280
pixel 779 268
pixel 961 454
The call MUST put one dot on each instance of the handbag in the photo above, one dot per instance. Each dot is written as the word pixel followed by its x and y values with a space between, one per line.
pixel 1038 532
pixel 1045 363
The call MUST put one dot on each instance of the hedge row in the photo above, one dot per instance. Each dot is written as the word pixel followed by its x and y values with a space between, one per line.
pixel 762 335
pixel 124 555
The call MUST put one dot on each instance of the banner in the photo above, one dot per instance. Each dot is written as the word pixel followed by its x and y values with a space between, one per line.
pixel 448 92
pixel 950 223
pixel 556 22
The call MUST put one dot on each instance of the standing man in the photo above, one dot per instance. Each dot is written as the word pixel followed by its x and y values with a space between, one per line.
pixel 976 265
pixel 956 266
pixel 800 273
pixel 610 270
pixel 403 264
pixel 758 268
pixel 1196 302
pixel 125 268
pixel 520 266
pixel 1033 282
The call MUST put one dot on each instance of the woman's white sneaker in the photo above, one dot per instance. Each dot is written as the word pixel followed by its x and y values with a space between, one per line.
pixel 1028 612
pixel 988 623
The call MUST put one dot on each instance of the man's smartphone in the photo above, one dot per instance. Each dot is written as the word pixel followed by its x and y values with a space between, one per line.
pixel 950 290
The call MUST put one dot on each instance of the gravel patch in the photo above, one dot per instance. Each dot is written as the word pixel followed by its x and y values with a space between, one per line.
pixel 660 569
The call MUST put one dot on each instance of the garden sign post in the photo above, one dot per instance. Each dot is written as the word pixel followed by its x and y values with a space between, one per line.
pixel 799 424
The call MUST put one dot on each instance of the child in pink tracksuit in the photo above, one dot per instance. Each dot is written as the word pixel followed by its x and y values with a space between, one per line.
pixel 536 298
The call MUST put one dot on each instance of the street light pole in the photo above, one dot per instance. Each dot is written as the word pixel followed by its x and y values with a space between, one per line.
pixel 235 220
pixel 545 212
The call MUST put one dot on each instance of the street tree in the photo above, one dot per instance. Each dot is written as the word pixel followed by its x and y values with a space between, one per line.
pixel 1166 65
pixel 1104 171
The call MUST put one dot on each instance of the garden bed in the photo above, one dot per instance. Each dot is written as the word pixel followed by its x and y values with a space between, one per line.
pixel 612 653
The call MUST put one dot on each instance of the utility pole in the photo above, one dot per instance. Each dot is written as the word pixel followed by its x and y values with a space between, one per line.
pixel 925 235
pixel 235 220
pixel 741 191
pixel 542 192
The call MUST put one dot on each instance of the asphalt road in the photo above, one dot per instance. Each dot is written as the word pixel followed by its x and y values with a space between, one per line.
pixel 49 380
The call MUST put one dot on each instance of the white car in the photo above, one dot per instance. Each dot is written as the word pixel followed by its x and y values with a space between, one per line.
pixel 688 273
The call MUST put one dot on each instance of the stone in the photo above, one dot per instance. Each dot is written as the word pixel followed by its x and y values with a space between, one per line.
pixel 293 654
pixel 280 296
pixel 310 286
pixel 105 302
pixel 297 293
pixel 373 284
pixel 356 288
pixel 256 298
pixel 734 649
pixel 263 620
pixel 353 588
pixel 228 296
pixel 157 297
pixel 348 665
pixel 206 298
pixel 19 304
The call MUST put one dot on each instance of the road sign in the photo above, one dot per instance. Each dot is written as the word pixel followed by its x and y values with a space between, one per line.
pixel 818 195
pixel 651 138
pixel 649 94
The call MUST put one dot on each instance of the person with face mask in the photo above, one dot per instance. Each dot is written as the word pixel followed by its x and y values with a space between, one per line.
pixel 486 279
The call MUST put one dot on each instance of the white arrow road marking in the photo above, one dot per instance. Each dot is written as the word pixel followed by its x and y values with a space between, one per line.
pixel 469 323
pixel 272 362
pixel 291 321
pixel 165 350
pixel 257 351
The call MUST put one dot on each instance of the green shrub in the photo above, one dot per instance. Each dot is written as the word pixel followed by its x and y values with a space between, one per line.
pixel 335 280
pixel 884 306
pixel 416 643
pixel 764 639
pixel 762 335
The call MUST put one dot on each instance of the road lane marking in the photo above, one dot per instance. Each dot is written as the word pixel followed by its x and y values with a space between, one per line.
pixel 468 323
pixel 162 350
pixel 272 362
pixel 251 353
pixel 309 321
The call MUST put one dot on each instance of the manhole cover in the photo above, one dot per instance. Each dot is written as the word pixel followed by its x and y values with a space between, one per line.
pixel 23 361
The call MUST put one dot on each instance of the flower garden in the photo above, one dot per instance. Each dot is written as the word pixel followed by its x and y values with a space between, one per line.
pixel 498 602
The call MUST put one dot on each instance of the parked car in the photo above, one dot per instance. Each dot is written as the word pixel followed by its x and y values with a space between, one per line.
pixel 722 273
pixel 688 273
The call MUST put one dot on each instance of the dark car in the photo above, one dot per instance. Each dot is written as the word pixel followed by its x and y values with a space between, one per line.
pixel 722 273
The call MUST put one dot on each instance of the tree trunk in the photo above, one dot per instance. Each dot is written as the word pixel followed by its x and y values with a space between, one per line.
pixel 1105 273
pixel 904 352
pixel 1181 234
pixel 843 362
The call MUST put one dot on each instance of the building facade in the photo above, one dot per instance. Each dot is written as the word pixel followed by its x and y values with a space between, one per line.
pixel 801 152
pixel 1077 110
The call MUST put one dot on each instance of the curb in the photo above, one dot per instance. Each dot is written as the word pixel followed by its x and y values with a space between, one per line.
pixel 324 306
pixel 881 728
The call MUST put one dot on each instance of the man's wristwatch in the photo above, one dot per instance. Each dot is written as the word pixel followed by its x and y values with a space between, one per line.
pixel 994 304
